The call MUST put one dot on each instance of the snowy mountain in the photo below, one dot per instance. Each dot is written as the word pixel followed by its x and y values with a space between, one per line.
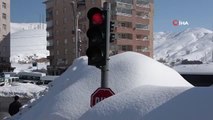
pixel 191 44
pixel 28 42
pixel 16 27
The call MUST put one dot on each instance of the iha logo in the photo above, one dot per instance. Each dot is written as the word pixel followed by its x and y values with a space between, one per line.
pixel 180 23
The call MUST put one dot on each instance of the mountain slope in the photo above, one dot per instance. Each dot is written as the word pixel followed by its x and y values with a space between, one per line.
pixel 28 42
pixel 191 44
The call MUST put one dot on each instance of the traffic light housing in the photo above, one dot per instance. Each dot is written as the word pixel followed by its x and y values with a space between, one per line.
pixel 96 34
pixel 112 34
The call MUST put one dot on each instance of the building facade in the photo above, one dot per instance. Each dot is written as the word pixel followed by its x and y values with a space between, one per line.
pixel 134 29
pixel 5 36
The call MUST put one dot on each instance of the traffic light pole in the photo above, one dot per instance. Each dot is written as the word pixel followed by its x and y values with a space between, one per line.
pixel 105 69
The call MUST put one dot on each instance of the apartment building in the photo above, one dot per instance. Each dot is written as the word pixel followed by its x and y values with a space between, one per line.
pixel 134 29
pixel 5 36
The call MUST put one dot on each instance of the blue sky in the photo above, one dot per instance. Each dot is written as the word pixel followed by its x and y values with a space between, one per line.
pixel 27 10
pixel 196 13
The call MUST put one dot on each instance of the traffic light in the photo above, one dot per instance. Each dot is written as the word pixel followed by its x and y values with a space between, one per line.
pixel 96 34
pixel 112 34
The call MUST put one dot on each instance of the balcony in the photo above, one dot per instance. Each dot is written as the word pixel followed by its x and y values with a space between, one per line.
pixel 50 47
pixel 81 3
pixel 50 44
pixel 123 1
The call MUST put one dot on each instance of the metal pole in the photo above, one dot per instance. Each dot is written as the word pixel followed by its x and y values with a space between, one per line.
pixel 105 69
pixel 74 3
pixel 76 34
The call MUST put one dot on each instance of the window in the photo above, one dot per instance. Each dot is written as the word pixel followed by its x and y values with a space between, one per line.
pixel 57 42
pixel 66 62
pixel 57 52
pixel 49 33
pixel 65 41
pixel 142 48
pixel 125 47
pixel 141 37
pixel 56 12
pixel 4 5
pixel 142 2
pixel 141 26
pixel 65 10
pixel 93 1
pixel 66 51
pixel 65 20
pixel 124 24
pixel 4 27
pixel 4 16
pixel 143 14
pixel 125 1
pixel 49 42
pixel 123 11
pixel 49 14
pixel 56 22
pixel 125 36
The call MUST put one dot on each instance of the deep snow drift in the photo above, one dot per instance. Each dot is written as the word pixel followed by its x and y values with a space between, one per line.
pixel 155 103
pixel 69 96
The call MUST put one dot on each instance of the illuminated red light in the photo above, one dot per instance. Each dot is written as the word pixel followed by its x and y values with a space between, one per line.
pixel 97 19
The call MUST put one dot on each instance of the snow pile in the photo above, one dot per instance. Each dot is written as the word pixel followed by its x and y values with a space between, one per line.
pixel 26 90
pixel 191 44
pixel 155 103
pixel 69 96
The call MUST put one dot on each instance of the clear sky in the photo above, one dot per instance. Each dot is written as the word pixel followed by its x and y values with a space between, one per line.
pixel 27 10
pixel 197 13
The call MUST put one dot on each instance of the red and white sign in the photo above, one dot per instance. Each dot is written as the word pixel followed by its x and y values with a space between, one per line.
pixel 99 95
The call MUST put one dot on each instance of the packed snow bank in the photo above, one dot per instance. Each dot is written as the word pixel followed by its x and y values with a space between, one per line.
pixel 155 103
pixel 193 104
pixel 69 96
pixel 133 104
pixel 26 90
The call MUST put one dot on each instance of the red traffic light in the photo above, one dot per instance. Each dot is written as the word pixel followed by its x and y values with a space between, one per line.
pixel 97 19
pixel 95 16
